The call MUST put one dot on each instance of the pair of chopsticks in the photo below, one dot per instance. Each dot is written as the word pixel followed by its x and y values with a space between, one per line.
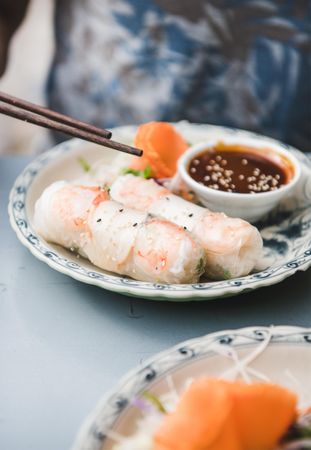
pixel 44 117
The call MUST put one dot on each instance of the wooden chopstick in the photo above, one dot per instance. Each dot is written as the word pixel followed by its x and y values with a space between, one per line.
pixel 46 112
pixel 44 117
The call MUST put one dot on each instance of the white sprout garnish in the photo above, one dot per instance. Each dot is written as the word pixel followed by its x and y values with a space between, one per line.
pixel 241 366
pixel 304 394
pixel 114 436
pixel 172 388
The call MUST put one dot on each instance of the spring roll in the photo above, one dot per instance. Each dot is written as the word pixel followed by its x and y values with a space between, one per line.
pixel 232 246
pixel 117 238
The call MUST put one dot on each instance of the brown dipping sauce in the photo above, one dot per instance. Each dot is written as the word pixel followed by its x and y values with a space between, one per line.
pixel 238 168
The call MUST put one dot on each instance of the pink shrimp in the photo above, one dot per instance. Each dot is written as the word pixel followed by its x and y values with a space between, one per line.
pixel 62 212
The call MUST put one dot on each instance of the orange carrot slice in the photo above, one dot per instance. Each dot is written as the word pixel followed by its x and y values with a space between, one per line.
pixel 202 420
pixel 263 413
pixel 219 415
pixel 162 146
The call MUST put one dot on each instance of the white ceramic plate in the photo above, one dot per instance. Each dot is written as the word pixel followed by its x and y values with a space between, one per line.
pixel 284 358
pixel 286 232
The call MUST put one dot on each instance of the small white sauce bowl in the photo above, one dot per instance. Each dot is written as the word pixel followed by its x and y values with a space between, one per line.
pixel 250 207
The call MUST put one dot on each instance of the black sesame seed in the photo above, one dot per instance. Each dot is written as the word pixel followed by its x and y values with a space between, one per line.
pixel 135 224
pixel 190 215
pixel 98 220
pixel 167 198
pixel 185 228
pixel 121 210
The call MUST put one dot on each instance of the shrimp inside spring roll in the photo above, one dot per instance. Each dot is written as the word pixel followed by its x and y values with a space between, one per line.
pixel 117 238
pixel 232 246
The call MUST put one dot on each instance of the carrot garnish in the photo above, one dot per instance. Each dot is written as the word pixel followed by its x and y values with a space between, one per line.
pixel 162 146
pixel 216 415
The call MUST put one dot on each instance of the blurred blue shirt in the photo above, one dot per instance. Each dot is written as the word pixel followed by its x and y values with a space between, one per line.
pixel 236 63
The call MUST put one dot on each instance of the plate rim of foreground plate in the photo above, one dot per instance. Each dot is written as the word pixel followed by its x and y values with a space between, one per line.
pixel 254 334
pixel 171 292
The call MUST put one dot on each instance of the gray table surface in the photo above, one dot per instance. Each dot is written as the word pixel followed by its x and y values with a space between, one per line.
pixel 63 344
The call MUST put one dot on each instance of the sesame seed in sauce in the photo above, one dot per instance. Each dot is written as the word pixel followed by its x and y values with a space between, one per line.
pixel 98 220
pixel 190 215
pixel 236 170
pixel 121 210
pixel 135 224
